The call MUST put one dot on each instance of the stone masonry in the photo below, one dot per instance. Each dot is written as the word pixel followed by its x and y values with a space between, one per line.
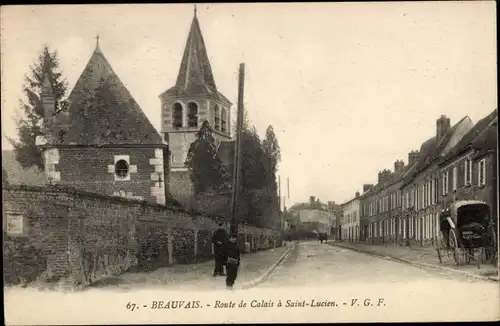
pixel 58 233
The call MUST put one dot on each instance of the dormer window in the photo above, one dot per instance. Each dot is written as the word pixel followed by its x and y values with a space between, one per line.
pixel 177 115
pixel 193 115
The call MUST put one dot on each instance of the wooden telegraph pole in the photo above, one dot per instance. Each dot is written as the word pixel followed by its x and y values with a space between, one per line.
pixel 279 203
pixel 237 148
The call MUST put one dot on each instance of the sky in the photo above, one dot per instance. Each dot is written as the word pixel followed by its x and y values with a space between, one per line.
pixel 349 88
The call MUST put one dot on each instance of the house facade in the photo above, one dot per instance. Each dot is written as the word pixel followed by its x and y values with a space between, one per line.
pixel 381 207
pixel 364 211
pixel 335 211
pixel 420 187
pixel 350 219
pixel 469 169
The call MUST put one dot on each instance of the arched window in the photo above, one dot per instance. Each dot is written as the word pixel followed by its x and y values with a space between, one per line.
pixel 216 117
pixel 177 115
pixel 192 115
pixel 223 126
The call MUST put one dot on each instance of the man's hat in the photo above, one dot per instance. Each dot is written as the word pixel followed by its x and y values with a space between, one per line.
pixel 220 220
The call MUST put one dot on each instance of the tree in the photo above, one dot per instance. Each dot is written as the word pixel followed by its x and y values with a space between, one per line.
pixel 205 167
pixel 5 179
pixel 253 173
pixel 30 125
pixel 258 187
pixel 272 152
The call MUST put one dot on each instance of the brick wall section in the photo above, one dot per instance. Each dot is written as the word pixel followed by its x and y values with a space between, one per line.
pixel 86 168
pixel 81 237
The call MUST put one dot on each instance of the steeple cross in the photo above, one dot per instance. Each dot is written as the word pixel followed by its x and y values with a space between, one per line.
pixel 97 43
pixel 195 10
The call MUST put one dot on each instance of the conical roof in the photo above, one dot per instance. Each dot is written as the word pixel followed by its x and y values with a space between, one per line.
pixel 195 75
pixel 102 110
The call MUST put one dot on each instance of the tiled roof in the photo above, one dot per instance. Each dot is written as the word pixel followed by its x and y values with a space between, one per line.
pixel 118 120
pixel 474 133
pixel 195 73
pixel 16 175
pixel 488 138
pixel 408 170
pixel 429 152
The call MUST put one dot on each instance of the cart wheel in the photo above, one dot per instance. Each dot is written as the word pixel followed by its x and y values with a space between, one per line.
pixel 457 252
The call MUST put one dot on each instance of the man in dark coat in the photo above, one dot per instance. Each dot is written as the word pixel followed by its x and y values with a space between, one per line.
pixel 220 239
pixel 233 260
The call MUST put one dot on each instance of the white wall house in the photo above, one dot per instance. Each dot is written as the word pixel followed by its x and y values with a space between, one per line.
pixel 350 219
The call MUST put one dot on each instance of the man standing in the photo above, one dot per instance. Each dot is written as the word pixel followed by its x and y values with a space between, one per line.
pixel 219 240
pixel 233 260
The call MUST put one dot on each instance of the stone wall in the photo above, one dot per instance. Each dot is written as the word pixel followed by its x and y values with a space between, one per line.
pixel 56 233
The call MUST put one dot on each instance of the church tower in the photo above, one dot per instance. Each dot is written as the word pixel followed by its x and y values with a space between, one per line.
pixel 184 107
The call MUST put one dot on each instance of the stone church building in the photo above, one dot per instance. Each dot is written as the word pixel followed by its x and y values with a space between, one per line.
pixel 104 143
pixel 185 106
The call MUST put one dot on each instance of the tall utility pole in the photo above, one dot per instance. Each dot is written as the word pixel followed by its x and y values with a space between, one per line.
pixel 279 204
pixel 237 148
pixel 279 192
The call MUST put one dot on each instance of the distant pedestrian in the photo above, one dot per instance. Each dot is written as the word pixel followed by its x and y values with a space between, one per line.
pixel 233 260
pixel 219 241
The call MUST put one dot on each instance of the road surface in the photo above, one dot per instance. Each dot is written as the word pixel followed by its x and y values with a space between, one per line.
pixel 315 283
pixel 314 264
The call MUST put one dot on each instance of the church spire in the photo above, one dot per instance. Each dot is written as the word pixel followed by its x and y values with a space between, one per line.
pixel 195 66
pixel 97 48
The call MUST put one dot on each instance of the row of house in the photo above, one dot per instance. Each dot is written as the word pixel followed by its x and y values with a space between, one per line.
pixel 457 163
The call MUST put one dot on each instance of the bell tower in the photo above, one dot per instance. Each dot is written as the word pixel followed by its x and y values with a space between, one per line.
pixel 193 100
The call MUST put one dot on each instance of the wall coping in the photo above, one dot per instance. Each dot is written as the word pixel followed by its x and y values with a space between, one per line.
pixel 139 145
pixel 71 191
pixel 62 189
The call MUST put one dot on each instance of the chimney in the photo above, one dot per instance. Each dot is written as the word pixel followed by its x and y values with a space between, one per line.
pixel 413 157
pixel 357 194
pixel 312 201
pixel 398 166
pixel 367 187
pixel 383 175
pixel 442 126
pixel 48 101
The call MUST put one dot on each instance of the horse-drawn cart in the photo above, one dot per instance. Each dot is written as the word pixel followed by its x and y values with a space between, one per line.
pixel 467 233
